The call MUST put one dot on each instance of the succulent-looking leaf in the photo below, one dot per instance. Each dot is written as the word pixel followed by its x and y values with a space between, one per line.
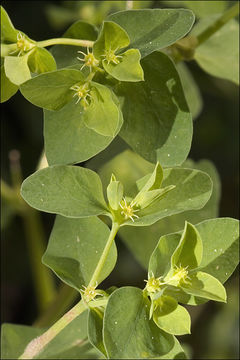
pixel 219 55
pixel 115 193
pixel 8 32
pixel 175 353
pixel 130 334
pixel 206 286
pixel 95 329
pixel 157 121
pixel 111 37
pixel 8 89
pixel 74 249
pixel 154 29
pixel 171 317
pixel 16 68
pixel 66 190
pixel 102 115
pixel 189 250
pixel 41 60
pixel 52 90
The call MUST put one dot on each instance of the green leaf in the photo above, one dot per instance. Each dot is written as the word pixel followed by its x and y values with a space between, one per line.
pixel 102 115
pixel 74 251
pixel 71 343
pixel 66 190
pixel 154 182
pixel 157 122
pixel 95 329
pixel 171 317
pixel 192 190
pixel 154 29
pixel 41 61
pixel 76 141
pixel 128 168
pixel 219 55
pixel 8 89
pixel 191 90
pixel 205 286
pixel 16 68
pixel 8 32
pixel 220 247
pixel 127 331
pixel 129 67
pixel 114 193
pixel 111 37
pixel 176 352
pixel 51 90
pixel 160 260
pixel 66 55
pixel 189 250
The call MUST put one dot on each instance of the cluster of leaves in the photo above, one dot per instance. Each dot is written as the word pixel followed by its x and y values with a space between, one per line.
pixel 123 86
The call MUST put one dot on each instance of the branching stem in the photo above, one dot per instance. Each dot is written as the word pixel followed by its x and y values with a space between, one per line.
pixel 65 41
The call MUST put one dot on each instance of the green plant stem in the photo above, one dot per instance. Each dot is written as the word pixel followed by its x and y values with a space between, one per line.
pixel 42 278
pixel 114 230
pixel 62 302
pixel 37 345
pixel 11 197
pixel 65 41
pixel 228 15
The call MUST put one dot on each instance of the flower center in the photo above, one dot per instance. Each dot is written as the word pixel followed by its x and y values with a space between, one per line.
pixel 128 210
pixel 23 44
pixel 110 57
pixel 83 93
pixel 89 293
pixel 180 276
pixel 88 59
pixel 153 285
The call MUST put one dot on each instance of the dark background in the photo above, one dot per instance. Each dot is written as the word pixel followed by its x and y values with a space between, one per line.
pixel 215 138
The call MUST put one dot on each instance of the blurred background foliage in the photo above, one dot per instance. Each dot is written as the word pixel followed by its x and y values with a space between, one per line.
pixel 215 326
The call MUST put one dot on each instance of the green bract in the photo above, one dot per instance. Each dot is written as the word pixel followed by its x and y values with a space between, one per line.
pixel 123 66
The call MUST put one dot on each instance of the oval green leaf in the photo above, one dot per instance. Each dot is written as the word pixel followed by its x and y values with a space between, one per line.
pixel 65 190
pixel 74 250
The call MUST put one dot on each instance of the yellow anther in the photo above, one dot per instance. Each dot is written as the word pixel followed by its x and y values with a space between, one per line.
pixel 153 285
pixel 128 210
pixel 82 92
pixel 89 293
pixel 88 59
pixel 180 276
pixel 110 57
pixel 23 44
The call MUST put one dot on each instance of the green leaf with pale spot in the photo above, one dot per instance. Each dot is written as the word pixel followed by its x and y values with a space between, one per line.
pixel 171 317
pixel 205 286
pixel 128 68
pixel 102 115
pixel 189 250
pixel 70 343
pixel 65 190
pixel 16 68
pixel 157 122
pixel 52 90
pixel 219 55
pixel 41 61
pixel 8 89
pixel 74 250
pixel 8 32
pixel 154 29
pixel 95 329
pixel 111 37
pixel 128 332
